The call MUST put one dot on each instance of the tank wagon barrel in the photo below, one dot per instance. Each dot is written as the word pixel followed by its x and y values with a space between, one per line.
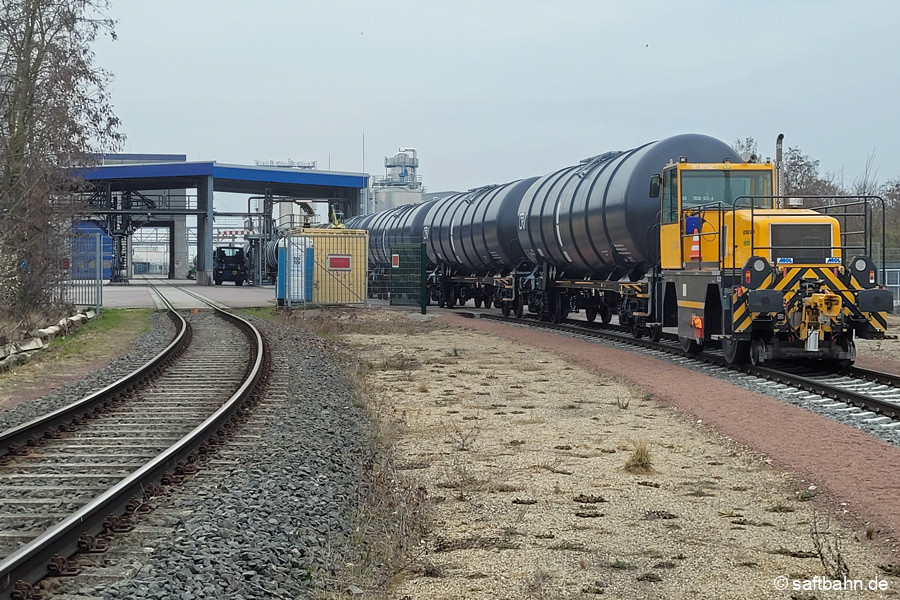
pixel 592 219
pixel 679 232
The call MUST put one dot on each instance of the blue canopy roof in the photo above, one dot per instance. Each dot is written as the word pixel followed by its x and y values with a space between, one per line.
pixel 226 178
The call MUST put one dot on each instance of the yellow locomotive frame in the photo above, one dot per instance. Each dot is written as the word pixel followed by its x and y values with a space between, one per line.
pixel 762 279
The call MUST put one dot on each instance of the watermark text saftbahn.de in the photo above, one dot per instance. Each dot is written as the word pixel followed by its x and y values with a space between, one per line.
pixel 825 584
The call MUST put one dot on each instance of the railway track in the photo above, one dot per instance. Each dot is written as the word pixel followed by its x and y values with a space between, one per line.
pixel 871 397
pixel 72 477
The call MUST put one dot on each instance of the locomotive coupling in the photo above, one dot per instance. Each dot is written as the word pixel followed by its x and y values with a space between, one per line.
pixel 814 311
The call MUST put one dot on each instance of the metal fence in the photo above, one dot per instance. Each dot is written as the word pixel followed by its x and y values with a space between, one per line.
pixel 82 284
pixel 325 266
pixel 406 277
pixel 892 281
pixel 402 280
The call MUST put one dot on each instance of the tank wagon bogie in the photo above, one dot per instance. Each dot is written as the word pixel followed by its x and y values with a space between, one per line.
pixel 678 233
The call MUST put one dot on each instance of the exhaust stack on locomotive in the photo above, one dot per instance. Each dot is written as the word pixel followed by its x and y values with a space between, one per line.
pixel 675 233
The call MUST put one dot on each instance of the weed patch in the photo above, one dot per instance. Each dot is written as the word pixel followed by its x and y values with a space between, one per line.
pixel 640 462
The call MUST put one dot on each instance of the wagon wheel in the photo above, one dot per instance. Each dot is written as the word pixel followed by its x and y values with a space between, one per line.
pixel 557 312
pixel 844 364
pixel 757 352
pixel 689 345
pixel 737 352
pixel 605 314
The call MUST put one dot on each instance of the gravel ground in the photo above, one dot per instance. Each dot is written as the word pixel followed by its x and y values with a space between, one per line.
pixel 278 521
pixel 524 458
pixel 272 520
pixel 146 347
pixel 855 468
pixel 812 402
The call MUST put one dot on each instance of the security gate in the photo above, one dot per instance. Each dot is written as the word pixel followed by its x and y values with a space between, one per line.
pixel 82 284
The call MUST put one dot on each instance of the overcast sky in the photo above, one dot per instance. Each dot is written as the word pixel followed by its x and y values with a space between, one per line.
pixel 489 91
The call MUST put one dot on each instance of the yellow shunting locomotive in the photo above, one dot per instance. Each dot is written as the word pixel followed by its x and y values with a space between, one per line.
pixel 766 278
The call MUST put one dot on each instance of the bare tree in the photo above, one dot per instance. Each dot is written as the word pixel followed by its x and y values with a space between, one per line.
pixel 748 144
pixel 890 191
pixel 802 178
pixel 54 114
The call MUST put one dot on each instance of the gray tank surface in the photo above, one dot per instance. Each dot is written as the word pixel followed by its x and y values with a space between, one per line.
pixel 597 219
pixel 475 232
pixel 400 225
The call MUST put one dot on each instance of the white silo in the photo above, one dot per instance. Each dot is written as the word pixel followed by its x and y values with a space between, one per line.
pixel 401 183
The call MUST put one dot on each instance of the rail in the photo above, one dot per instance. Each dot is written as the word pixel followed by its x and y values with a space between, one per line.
pixel 30 563
pixel 669 345
pixel 31 431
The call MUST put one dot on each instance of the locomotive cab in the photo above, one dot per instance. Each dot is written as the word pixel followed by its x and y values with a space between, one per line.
pixel 711 201
pixel 763 280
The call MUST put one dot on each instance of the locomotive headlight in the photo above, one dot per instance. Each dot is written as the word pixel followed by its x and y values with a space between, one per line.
pixel 756 269
pixel 864 271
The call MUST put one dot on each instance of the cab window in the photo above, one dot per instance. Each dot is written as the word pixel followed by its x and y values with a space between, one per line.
pixel 722 187
pixel 670 197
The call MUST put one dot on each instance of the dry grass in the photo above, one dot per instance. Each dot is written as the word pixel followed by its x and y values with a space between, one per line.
pixel 828 548
pixel 404 364
pixel 330 323
pixel 463 439
pixel 14 329
pixel 391 517
pixel 640 462
pixel 540 585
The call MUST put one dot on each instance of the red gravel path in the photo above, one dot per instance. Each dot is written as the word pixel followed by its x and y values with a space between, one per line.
pixel 875 363
pixel 852 466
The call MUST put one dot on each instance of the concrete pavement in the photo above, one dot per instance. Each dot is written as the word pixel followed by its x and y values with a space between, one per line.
pixel 139 294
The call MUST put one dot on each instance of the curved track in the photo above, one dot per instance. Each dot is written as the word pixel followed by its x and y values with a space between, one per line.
pixel 75 475
pixel 876 395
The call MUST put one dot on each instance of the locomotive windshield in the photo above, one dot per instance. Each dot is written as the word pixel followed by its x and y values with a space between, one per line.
pixel 702 187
